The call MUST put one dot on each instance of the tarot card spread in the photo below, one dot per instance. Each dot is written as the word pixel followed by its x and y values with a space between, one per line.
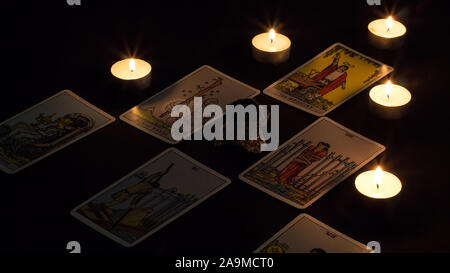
pixel 150 197
pixel 328 80
pixel 153 115
pixel 306 234
pixel 46 128
pixel 311 163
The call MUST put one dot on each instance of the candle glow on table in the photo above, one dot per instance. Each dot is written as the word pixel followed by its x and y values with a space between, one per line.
pixel 131 69
pixel 378 184
pixel 387 28
pixel 271 47
pixel 390 95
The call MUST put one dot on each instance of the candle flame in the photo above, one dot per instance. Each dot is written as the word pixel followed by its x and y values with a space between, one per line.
pixel 132 65
pixel 378 176
pixel 388 89
pixel 389 23
pixel 272 35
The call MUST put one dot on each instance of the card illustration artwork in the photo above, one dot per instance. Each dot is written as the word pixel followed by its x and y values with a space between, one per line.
pixel 153 116
pixel 306 234
pixel 328 80
pixel 150 197
pixel 311 163
pixel 46 128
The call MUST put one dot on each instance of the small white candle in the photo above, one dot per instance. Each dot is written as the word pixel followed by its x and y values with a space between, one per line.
pixel 271 47
pixel 387 28
pixel 390 95
pixel 131 69
pixel 386 33
pixel 378 184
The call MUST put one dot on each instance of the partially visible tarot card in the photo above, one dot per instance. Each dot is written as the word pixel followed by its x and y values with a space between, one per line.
pixel 311 163
pixel 46 128
pixel 150 197
pixel 153 115
pixel 328 80
pixel 306 234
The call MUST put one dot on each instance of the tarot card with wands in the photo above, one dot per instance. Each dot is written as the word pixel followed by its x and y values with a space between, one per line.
pixel 311 163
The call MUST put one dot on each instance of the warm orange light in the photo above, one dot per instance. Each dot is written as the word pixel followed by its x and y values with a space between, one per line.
pixel 389 23
pixel 378 177
pixel 272 35
pixel 132 65
pixel 388 89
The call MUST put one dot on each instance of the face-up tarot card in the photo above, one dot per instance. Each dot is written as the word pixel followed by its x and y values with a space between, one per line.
pixel 311 163
pixel 328 80
pixel 306 234
pixel 153 115
pixel 46 128
pixel 150 197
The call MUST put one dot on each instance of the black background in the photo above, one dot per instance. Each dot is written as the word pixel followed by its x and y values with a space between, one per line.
pixel 53 46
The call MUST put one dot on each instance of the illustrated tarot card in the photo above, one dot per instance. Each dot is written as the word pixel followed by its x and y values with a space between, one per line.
pixel 150 197
pixel 153 115
pixel 306 234
pixel 46 128
pixel 328 80
pixel 311 163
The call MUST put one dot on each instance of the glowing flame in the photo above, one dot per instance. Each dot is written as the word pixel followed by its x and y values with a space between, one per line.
pixel 389 23
pixel 378 176
pixel 132 65
pixel 272 35
pixel 388 89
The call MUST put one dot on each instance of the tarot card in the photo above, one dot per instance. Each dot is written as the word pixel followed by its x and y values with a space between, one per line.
pixel 311 163
pixel 46 128
pixel 150 197
pixel 328 80
pixel 306 234
pixel 153 115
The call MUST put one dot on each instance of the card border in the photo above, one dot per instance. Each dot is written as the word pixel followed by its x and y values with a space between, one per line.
pixel 76 97
pixel 123 118
pixel 314 220
pixel 270 87
pixel 292 203
pixel 117 239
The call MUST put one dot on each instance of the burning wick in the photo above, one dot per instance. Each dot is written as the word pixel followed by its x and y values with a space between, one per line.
pixel 272 35
pixel 388 89
pixel 132 65
pixel 378 176
pixel 389 23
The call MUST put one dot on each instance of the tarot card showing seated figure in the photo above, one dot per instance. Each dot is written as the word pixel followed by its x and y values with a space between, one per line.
pixel 311 163
pixel 154 115
pixel 306 234
pixel 150 197
pixel 328 80
pixel 46 128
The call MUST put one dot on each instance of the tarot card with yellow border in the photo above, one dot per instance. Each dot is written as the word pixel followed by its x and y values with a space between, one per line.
pixel 328 80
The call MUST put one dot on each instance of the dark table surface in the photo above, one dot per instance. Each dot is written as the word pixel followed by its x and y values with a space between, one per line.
pixel 53 46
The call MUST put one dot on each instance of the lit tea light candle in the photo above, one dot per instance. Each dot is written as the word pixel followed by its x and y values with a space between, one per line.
pixel 386 33
pixel 378 184
pixel 131 69
pixel 271 47
pixel 390 100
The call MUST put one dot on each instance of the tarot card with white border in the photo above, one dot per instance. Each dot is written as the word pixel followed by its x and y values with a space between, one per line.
pixel 46 128
pixel 306 234
pixel 150 197
pixel 311 163
pixel 153 116
pixel 328 80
